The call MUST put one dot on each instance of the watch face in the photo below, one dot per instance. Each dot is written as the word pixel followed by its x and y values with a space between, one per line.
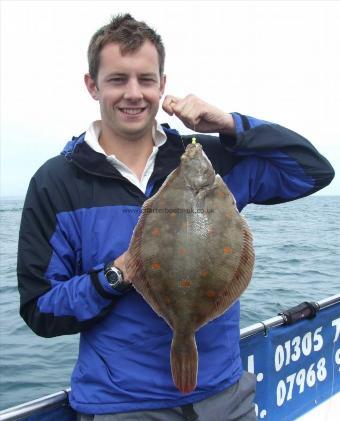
pixel 116 279
pixel 112 277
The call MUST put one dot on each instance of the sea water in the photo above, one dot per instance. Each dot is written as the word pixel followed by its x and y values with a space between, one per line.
pixel 297 247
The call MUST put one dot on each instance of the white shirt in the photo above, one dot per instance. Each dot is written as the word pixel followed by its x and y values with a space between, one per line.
pixel 159 138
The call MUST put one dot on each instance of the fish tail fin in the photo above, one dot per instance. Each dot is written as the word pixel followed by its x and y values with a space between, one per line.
pixel 184 362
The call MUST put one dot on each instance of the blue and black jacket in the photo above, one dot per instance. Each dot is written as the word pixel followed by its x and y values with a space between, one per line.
pixel 79 214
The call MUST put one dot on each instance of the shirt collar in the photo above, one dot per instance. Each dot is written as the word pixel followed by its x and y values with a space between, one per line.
pixel 93 132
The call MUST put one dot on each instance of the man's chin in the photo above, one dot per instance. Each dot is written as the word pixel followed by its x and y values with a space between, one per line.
pixel 133 132
pixel 130 130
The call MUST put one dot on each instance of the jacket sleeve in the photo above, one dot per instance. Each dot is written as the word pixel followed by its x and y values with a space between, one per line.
pixel 274 164
pixel 55 297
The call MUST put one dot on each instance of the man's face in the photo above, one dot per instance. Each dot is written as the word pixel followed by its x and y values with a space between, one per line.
pixel 128 89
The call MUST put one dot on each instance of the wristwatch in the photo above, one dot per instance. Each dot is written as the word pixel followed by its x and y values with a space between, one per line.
pixel 115 278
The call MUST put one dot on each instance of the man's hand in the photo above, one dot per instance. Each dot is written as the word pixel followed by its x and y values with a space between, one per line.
pixel 120 264
pixel 198 115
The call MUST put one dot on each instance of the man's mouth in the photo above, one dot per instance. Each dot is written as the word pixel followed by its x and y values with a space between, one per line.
pixel 132 111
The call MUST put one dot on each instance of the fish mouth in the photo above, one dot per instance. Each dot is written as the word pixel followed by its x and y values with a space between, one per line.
pixel 192 151
pixel 194 148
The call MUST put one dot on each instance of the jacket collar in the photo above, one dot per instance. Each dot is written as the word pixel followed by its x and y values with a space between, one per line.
pixel 95 163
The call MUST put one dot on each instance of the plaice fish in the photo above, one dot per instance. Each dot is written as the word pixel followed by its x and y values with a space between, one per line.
pixel 190 256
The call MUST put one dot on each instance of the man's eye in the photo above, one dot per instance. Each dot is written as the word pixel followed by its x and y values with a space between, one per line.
pixel 147 80
pixel 116 79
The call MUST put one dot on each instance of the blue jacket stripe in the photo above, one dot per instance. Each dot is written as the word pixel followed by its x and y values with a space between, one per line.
pixel 283 174
pixel 77 298
pixel 244 123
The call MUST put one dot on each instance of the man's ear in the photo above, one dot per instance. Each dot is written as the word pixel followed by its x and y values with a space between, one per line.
pixel 162 85
pixel 91 86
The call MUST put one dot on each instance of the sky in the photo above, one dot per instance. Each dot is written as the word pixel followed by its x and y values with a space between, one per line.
pixel 275 60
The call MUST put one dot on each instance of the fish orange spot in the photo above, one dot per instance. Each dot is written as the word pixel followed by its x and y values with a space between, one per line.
pixel 185 283
pixel 221 194
pixel 156 231
pixel 227 250
pixel 210 293
pixel 167 300
pixel 155 266
pixel 204 273
pixel 182 251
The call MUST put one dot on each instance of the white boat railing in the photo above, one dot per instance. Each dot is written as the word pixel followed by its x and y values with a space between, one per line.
pixel 61 398
pixel 280 320
pixel 33 407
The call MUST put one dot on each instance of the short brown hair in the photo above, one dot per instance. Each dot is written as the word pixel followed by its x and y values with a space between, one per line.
pixel 130 34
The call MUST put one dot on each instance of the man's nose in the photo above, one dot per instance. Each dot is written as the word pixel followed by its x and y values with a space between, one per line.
pixel 133 90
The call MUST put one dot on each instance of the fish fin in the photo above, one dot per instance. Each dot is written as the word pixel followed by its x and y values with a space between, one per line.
pixel 136 270
pixel 241 278
pixel 184 362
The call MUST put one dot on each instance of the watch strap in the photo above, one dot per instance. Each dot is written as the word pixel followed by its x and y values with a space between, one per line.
pixel 98 286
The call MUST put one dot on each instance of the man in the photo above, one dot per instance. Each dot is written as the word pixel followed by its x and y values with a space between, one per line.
pixel 80 212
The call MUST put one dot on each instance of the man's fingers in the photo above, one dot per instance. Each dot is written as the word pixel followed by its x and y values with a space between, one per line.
pixel 169 102
pixel 198 115
pixel 188 109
